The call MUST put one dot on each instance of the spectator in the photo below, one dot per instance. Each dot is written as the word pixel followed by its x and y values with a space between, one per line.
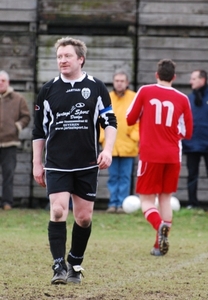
pixel 14 116
pixel 126 146
pixel 69 110
pixel 165 118
pixel 197 146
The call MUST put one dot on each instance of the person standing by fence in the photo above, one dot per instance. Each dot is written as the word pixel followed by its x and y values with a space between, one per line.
pixel 14 116
pixel 126 145
pixel 197 147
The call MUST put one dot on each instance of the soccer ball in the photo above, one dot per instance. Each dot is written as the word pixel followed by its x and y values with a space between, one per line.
pixel 175 203
pixel 131 204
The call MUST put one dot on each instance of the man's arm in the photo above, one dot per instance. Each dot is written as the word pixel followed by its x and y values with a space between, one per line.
pixel 38 170
pixel 105 157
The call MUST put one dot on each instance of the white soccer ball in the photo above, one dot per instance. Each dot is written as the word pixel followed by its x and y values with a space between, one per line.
pixel 175 203
pixel 131 204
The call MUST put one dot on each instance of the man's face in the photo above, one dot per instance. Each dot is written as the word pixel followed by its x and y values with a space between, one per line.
pixel 120 83
pixel 68 62
pixel 195 81
pixel 4 83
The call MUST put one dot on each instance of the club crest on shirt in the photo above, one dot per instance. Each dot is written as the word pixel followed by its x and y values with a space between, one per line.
pixel 86 93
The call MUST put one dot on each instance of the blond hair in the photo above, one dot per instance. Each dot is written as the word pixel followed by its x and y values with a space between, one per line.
pixel 79 46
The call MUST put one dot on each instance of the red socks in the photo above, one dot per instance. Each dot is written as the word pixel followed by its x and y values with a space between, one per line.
pixel 153 217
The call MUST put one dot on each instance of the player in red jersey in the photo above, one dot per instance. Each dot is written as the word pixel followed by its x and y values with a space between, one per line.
pixel 165 118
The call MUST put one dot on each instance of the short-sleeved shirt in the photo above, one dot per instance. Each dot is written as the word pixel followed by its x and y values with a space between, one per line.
pixel 165 118
pixel 67 116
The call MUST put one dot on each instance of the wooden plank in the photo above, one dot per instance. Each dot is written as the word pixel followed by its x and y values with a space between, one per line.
pixel 175 54
pixel 21 86
pixel 202 183
pixel 91 66
pixel 17 16
pixel 181 66
pixel 14 28
pixel 18 5
pixel 88 12
pixel 173 20
pixel 174 1
pixel 39 192
pixel 21 191
pixel 149 77
pixel 20 179
pixel 172 31
pixel 98 54
pixel 17 43
pixel 190 43
pixel 22 156
pixel 173 14
pixel 26 66
pixel 23 167
pixel 177 7
pixel 18 52
pixel 95 41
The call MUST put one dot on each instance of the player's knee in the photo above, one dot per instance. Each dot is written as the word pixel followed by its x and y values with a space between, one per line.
pixel 84 222
pixel 57 211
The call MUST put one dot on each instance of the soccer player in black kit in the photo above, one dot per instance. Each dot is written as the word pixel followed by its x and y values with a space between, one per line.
pixel 68 112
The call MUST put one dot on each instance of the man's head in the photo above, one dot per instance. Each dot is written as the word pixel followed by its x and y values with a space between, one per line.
pixel 166 70
pixel 198 79
pixel 4 81
pixel 120 81
pixel 79 46
pixel 70 54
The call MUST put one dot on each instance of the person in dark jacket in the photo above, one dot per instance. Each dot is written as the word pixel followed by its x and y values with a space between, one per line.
pixel 197 146
pixel 14 116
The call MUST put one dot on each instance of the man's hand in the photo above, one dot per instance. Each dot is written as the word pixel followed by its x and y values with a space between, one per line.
pixel 39 174
pixel 104 159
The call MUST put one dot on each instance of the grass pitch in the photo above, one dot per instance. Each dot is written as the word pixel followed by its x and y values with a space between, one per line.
pixel 117 261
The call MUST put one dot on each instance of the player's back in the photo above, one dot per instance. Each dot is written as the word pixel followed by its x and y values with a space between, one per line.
pixel 163 112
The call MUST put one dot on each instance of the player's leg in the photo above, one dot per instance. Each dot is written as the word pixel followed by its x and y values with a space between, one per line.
pixel 113 184
pixel 124 182
pixel 57 235
pixel 81 231
pixel 169 185
pixel 162 242
pixel 58 187
pixel 8 163
pixel 206 161
pixel 192 162
pixel 83 197
pixel 149 184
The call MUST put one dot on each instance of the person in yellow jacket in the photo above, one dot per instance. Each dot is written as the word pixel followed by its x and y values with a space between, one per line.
pixel 126 145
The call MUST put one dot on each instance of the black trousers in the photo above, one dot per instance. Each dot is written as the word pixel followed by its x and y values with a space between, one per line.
pixel 8 164
pixel 192 162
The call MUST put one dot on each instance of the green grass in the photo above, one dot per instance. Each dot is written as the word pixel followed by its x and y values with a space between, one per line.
pixel 117 261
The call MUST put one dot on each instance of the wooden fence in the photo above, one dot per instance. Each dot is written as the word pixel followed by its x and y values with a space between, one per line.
pixel 130 34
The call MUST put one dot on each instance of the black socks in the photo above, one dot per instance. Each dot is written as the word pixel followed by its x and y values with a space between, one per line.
pixel 80 237
pixel 57 235
pixel 57 240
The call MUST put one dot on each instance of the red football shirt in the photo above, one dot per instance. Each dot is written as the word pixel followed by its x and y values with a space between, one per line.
pixel 165 118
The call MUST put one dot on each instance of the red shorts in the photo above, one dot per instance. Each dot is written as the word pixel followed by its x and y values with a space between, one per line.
pixel 157 178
